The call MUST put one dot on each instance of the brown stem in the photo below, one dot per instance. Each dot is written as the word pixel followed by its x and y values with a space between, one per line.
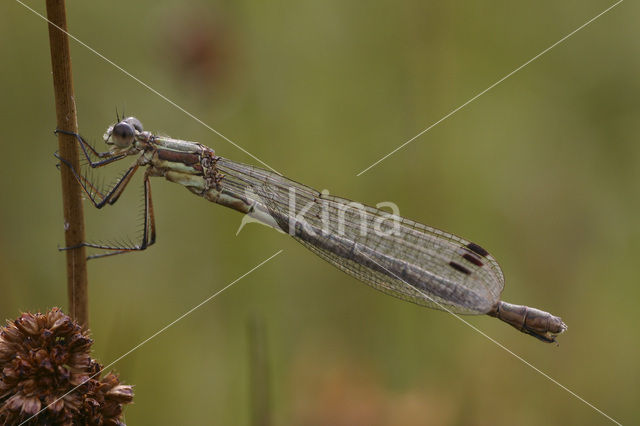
pixel 68 148
pixel 259 373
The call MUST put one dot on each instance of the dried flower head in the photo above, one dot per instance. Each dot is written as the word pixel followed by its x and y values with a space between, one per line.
pixel 45 363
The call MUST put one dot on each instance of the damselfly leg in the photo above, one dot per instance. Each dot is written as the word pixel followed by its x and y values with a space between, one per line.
pixel 107 156
pixel 99 198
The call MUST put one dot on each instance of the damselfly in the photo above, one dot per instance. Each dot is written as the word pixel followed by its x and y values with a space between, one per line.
pixel 397 256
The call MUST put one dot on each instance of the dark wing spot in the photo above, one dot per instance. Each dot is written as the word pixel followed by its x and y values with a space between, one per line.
pixel 460 268
pixel 471 258
pixel 477 249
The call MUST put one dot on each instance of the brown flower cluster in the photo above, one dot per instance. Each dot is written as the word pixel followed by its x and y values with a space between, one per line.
pixel 45 365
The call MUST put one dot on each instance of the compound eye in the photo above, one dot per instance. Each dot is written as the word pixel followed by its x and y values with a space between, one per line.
pixel 135 123
pixel 123 134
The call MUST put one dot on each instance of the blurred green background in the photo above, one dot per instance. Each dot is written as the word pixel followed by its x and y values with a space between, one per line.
pixel 543 170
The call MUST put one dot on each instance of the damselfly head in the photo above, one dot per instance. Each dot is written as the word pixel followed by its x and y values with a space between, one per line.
pixel 123 133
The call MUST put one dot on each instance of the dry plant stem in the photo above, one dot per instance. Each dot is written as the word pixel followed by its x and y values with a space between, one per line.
pixel 67 146
pixel 259 373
